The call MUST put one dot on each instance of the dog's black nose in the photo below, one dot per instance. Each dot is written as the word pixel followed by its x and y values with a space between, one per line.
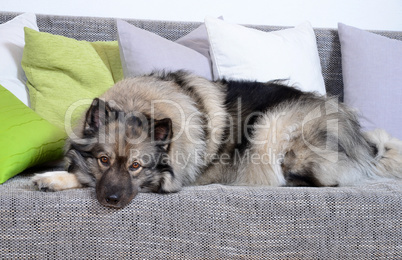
pixel 112 199
pixel 114 192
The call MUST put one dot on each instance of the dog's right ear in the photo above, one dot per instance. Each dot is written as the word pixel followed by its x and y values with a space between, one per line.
pixel 98 114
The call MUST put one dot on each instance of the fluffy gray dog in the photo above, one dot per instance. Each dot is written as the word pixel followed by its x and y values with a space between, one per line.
pixel 159 132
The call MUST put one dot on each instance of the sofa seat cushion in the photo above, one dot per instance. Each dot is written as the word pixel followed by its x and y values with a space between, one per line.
pixel 212 221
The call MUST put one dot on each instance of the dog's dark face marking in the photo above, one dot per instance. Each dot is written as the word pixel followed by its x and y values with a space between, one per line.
pixel 126 153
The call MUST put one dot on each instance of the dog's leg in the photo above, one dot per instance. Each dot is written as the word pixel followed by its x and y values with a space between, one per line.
pixel 56 181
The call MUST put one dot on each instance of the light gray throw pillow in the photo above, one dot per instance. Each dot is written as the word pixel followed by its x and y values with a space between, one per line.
pixel 143 52
pixel 372 76
pixel 197 40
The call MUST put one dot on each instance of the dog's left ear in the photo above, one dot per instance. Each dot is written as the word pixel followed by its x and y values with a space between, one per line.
pixel 161 132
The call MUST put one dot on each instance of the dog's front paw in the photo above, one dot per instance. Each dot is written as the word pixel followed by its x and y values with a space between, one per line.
pixel 55 181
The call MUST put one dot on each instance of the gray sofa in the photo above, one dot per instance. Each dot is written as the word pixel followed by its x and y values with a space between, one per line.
pixel 207 222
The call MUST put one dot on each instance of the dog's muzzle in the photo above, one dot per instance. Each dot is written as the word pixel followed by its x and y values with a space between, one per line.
pixel 115 190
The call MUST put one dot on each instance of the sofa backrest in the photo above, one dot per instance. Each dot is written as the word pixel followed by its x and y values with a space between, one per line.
pixel 104 29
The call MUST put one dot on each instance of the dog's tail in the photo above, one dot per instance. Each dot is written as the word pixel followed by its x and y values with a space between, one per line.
pixel 387 152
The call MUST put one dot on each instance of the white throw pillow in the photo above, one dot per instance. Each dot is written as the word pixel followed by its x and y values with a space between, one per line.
pixel 243 53
pixel 12 42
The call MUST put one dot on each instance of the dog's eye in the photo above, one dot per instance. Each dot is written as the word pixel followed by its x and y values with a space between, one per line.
pixel 104 160
pixel 135 166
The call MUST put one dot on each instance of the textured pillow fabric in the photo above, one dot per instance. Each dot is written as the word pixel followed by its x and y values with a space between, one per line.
pixel 64 74
pixel 143 52
pixel 372 76
pixel 26 139
pixel 11 47
pixel 240 53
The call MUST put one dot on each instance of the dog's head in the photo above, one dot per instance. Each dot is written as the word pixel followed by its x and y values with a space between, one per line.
pixel 120 153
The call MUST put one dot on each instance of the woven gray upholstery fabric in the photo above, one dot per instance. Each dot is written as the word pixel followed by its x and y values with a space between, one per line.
pixel 207 222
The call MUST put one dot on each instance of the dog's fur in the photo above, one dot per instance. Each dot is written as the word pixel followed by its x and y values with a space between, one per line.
pixel 159 132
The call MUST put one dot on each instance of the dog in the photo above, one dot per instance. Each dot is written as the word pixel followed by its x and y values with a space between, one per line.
pixel 162 131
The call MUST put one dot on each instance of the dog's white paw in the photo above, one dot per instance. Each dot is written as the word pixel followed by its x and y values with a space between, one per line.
pixel 55 181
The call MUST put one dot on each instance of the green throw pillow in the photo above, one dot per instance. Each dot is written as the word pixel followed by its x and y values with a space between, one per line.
pixel 26 139
pixel 65 74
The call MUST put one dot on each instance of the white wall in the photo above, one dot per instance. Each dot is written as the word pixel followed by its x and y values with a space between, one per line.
pixel 365 14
